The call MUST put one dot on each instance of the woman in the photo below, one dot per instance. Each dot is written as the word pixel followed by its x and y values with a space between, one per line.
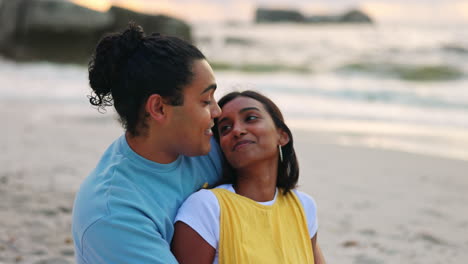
pixel 257 216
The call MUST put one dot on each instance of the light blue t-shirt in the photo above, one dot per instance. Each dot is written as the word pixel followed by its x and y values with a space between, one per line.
pixel 124 210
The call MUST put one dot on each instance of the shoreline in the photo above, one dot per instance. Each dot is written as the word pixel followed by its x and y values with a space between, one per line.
pixel 442 142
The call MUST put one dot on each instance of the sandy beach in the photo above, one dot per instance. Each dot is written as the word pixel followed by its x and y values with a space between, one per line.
pixel 375 206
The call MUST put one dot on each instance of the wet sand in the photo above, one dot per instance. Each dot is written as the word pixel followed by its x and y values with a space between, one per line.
pixel 375 206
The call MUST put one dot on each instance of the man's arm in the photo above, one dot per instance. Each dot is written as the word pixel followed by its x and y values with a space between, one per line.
pixel 125 238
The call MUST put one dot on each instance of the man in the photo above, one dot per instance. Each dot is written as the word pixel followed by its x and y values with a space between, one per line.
pixel 163 90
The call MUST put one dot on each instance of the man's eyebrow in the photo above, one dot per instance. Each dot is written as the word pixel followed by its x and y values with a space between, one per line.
pixel 211 87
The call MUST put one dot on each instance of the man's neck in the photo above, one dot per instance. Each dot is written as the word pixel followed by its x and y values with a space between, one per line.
pixel 150 149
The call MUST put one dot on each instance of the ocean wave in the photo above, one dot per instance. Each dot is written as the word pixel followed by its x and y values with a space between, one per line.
pixel 260 67
pixel 388 97
pixel 455 48
pixel 233 40
pixel 405 71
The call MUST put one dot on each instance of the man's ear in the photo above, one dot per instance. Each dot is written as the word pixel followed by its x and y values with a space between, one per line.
pixel 156 108
pixel 283 137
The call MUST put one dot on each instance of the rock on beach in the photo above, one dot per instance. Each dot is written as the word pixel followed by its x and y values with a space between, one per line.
pixel 61 31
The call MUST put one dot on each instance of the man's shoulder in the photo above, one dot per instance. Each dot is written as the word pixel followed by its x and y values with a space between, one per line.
pixel 210 163
pixel 105 184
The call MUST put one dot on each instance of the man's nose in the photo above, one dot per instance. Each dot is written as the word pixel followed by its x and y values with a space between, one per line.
pixel 215 110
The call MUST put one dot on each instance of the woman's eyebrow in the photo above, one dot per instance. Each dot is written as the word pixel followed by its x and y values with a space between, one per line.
pixel 240 112
pixel 247 109
pixel 222 120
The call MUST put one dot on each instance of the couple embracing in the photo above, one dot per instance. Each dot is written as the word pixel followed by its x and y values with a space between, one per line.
pixel 147 199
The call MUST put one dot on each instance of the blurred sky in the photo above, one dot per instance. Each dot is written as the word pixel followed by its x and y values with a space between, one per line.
pixel 405 11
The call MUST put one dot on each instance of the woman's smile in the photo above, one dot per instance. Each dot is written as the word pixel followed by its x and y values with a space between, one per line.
pixel 241 144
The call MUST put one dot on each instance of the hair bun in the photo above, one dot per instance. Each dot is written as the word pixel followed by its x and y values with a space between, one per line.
pixel 111 53
pixel 129 40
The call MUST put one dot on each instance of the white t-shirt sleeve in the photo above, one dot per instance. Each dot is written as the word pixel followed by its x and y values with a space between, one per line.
pixel 201 212
pixel 310 210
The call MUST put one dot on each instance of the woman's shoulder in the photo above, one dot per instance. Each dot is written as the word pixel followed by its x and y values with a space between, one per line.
pixel 200 197
pixel 310 209
pixel 205 197
pixel 303 195
pixel 202 202
pixel 227 186
pixel 306 200
pixel 201 212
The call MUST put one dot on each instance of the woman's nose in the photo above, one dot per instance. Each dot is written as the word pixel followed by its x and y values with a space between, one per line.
pixel 238 130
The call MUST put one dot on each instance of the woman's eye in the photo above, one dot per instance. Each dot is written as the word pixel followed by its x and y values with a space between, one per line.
pixel 207 102
pixel 223 129
pixel 249 118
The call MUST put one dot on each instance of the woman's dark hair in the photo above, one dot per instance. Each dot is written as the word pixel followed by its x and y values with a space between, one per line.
pixel 288 169
pixel 127 67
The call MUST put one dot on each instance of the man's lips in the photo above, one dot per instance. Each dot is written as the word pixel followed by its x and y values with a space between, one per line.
pixel 241 144
pixel 209 131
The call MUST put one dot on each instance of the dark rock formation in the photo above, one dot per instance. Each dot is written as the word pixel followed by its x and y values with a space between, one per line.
pixel 355 16
pixel 264 15
pixel 150 23
pixel 323 19
pixel 60 31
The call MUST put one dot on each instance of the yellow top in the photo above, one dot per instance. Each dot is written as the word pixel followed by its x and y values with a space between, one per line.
pixel 250 232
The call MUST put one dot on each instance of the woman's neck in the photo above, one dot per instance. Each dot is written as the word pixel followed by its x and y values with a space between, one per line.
pixel 257 183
